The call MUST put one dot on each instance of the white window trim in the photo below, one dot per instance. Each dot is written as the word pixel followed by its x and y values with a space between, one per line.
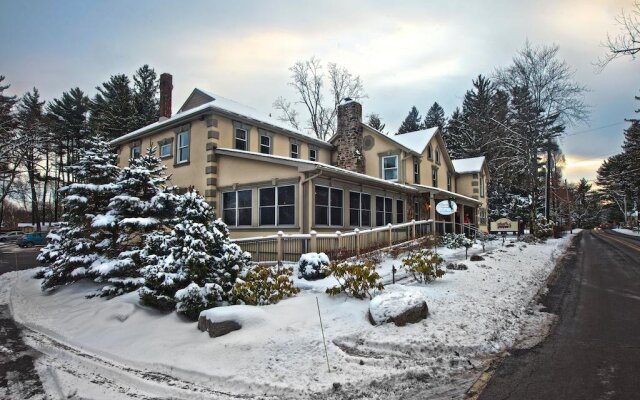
pixel 297 152
pixel 434 177
pixel 277 206
pixel 449 182
pixel 329 206
pixel 416 171
pixel 384 170
pixel 267 146
pixel 384 210
pixel 178 147
pixel 167 145
pixel 315 155
pixel 139 147
pixel 237 207
pixel 245 140
pixel 360 209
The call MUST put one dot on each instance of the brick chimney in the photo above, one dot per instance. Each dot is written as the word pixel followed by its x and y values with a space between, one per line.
pixel 349 136
pixel 166 86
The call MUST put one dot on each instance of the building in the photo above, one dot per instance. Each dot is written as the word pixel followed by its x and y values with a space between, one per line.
pixel 262 176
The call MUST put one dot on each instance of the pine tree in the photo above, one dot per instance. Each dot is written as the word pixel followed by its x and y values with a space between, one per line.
pixel 145 97
pixel 412 123
pixel 112 108
pixel 434 117
pixel 73 248
pixel 375 122
pixel 9 147
pixel 143 206
pixel 195 265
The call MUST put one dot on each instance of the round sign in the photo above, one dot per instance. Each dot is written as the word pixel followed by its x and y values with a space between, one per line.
pixel 446 207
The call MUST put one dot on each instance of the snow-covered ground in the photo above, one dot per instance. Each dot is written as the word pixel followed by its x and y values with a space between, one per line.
pixel 96 348
pixel 627 231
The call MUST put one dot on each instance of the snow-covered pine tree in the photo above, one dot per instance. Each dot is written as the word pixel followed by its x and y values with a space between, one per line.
pixel 72 249
pixel 412 123
pixel 145 96
pixel 195 265
pixel 374 121
pixel 144 206
pixel 112 109
pixel 434 117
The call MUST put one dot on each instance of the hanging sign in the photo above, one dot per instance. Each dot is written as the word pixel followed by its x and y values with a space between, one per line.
pixel 446 207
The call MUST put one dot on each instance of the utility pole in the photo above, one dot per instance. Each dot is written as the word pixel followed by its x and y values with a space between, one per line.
pixel 547 195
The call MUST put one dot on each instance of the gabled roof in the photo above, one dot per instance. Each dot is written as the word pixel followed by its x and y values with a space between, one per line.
pixel 225 106
pixel 466 165
pixel 416 141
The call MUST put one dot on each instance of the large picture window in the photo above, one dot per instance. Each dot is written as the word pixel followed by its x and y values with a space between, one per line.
pixel 384 210
pixel 359 209
pixel 277 205
pixel 329 206
pixel 236 208
pixel 399 211
pixel 182 147
pixel 390 168
pixel 241 139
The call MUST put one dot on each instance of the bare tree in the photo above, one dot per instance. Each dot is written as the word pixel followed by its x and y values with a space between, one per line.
pixel 627 42
pixel 308 80
pixel 550 82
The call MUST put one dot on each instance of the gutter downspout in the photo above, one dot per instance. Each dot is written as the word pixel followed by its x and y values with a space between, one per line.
pixel 303 206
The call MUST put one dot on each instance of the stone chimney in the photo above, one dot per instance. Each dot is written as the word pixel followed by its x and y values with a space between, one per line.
pixel 166 86
pixel 348 141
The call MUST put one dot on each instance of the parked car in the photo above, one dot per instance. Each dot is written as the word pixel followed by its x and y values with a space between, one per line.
pixel 13 236
pixel 33 238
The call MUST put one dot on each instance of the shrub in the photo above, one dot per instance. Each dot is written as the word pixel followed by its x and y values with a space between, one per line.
pixel 313 266
pixel 542 229
pixel 262 285
pixel 455 241
pixel 190 301
pixel 424 265
pixel 355 279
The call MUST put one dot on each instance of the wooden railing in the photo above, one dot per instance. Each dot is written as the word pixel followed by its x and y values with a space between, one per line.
pixel 289 247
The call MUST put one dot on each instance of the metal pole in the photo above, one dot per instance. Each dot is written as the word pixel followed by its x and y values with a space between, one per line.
pixel 323 339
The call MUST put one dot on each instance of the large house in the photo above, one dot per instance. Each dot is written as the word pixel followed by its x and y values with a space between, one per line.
pixel 262 176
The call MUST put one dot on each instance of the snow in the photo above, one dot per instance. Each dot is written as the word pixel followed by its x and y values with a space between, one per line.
pixel 246 316
pixel 395 300
pixel 140 221
pixel 100 221
pixel 627 231
pixel 465 165
pixel 416 141
pixel 474 314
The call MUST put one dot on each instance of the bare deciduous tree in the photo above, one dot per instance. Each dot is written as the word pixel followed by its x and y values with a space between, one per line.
pixel 627 42
pixel 308 80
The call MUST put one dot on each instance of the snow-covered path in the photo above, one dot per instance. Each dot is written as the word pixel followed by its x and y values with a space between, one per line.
pixel 96 347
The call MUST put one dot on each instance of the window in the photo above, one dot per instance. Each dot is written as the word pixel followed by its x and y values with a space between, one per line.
pixel 482 185
pixel 277 205
pixel 135 151
pixel 384 210
pixel 182 149
pixel 390 168
pixel 437 156
pixel 328 206
pixel 416 211
pixel 416 171
pixel 165 149
pixel 449 183
pixel 265 144
pixel 399 211
pixel 434 177
pixel 359 209
pixel 429 152
pixel 295 150
pixel 313 155
pixel 241 139
pixel 236 208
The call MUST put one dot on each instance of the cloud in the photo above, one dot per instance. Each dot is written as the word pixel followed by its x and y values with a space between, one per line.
pixel 577 167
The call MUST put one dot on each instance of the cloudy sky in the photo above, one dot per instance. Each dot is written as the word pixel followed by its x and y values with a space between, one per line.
pixel 407 52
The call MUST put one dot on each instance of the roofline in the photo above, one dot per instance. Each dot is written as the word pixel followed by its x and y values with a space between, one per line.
pixel 438 190
pixel 484 165
pixel 403 147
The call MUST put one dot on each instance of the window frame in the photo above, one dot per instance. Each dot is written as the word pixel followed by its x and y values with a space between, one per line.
pixel 387 215
pixel 329 206
pixel 261 145
pixel 434 177
pixel 400 214
pixel 396 168
pixel 416 171
pixel 449 182
pixel 481 185
pixel 245 140
pixel 166 145
pixel 437 156
pixel 276 205
pixel 132 152
pixel 297 152
pixel 315 154
pixel 186 134
pixel 429 152
pixel 359 209
pixel 237 207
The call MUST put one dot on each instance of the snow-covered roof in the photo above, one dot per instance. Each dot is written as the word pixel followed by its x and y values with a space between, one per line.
pixel 225 105
pixel 465 165
pixel 416 141
pixel 447 192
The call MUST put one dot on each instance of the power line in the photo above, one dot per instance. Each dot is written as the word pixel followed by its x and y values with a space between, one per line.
pixel 594 129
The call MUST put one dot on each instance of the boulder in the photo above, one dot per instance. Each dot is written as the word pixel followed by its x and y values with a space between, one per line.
pixel 216 329
pixel 476 257
pixel 398 305
pixel 457 266
pixel 220 321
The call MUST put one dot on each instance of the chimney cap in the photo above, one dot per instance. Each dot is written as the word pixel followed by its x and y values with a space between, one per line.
pixel 347 100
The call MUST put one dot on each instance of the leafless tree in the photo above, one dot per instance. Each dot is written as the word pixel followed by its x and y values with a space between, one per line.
pixel 549 80
pixel 308 80
pixel 627 42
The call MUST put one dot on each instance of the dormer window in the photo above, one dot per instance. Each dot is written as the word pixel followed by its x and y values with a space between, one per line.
pixel 390 168
pixel 241 141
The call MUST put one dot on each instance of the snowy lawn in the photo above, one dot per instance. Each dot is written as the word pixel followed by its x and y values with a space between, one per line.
pixel 627 231
pixel 473 314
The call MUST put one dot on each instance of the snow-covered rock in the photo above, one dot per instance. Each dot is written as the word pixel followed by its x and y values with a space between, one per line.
pixel 221 320
pixel 398 305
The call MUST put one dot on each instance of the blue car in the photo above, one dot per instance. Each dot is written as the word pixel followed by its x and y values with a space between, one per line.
pixel 33 239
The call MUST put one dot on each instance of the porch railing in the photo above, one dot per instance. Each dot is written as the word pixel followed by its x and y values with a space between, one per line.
pixel 289 247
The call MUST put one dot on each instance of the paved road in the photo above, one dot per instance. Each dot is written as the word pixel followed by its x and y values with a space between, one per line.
pixel 594 350
pixel 18 377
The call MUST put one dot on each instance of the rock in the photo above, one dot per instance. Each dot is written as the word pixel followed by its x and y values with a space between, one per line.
pixel 336 386
pixel 476 257
pixel 361 362
pixel 216 329
pixel 510 245
pixel 398 305
pixel 457 266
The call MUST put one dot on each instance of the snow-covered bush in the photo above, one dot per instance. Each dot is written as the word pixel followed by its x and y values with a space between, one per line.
pixel 424 265
pixel 191 300
pixel 455 241
pixel 543 229
pixel 262 285
pixel 313 266
pixel 76 245
pixel 197 251
pixel 355 279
